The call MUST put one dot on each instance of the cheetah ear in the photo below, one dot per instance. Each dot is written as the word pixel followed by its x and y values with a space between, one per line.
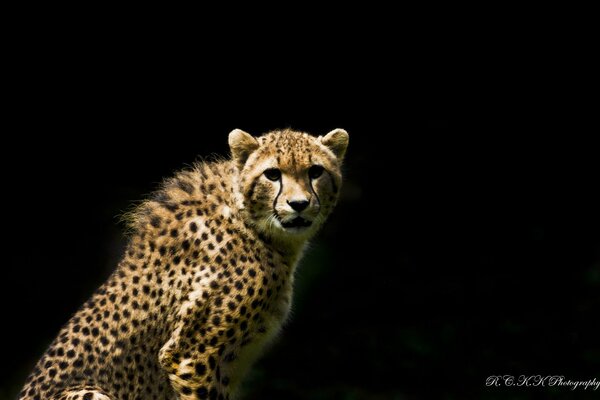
pixel 242 144
pixel 336 141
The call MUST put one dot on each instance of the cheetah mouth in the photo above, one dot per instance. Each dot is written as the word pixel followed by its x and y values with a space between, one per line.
pixel 297 222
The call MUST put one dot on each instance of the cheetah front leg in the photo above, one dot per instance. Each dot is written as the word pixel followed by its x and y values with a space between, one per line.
pixel 190 363
pixel 193 375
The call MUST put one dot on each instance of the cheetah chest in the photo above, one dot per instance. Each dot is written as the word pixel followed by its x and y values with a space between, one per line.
pixel 264 330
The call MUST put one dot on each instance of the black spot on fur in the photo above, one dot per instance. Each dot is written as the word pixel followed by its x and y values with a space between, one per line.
pixel 185 186
pixel 155 221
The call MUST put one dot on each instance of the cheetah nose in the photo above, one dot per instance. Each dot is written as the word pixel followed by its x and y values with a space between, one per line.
pixel 298 205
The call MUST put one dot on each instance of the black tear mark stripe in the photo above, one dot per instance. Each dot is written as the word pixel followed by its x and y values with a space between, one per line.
pixel 278 193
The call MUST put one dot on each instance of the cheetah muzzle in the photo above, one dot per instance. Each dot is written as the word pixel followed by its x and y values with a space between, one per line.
pixel 206 279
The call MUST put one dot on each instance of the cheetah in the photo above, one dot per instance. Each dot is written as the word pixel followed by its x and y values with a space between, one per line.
pixel 206 279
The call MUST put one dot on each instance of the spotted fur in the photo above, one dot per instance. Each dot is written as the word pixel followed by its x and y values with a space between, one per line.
pixel 206 280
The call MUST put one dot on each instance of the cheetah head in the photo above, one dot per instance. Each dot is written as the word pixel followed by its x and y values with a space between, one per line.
pixel 288 181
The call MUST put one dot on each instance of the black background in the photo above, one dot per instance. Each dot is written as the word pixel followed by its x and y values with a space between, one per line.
pixel 466 242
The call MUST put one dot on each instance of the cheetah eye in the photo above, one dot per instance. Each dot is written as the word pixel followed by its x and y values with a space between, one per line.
pixel 273 174
pixel 315 171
